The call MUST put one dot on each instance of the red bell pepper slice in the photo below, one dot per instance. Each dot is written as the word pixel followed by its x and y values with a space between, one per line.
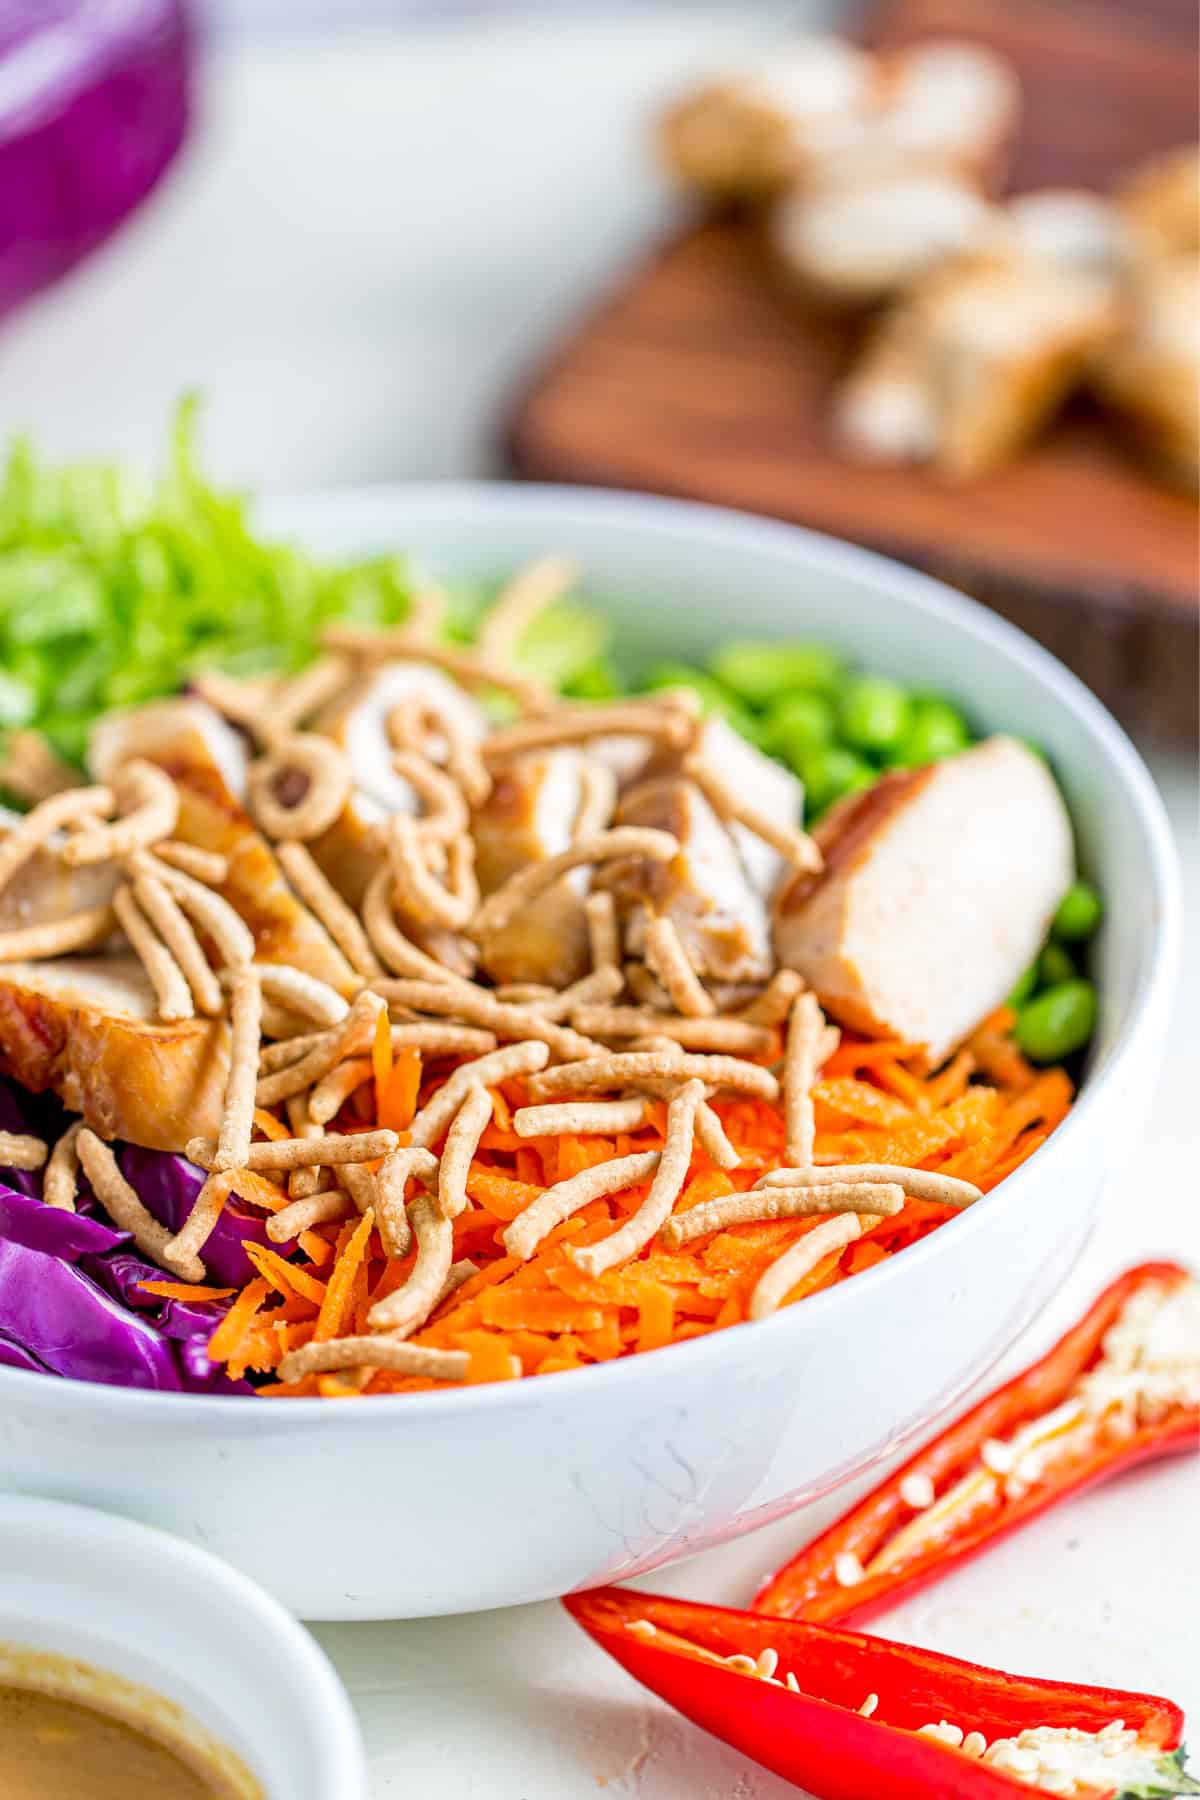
pixel 807 1587
pixel 817 1737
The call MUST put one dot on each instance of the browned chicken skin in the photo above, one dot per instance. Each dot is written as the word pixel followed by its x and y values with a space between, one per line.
pixel 86 1028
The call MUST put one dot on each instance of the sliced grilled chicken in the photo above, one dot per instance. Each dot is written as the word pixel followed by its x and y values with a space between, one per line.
pixel 705 890
pixel 967 368
pixel 946 105
pixel 774 790
pixel 86 1028
pixel 748 133
pixel 1161 203
pixel 361 722
pixel 1151 375
pixel 185 731
pixel 859 242
pixel 938 888
pixel 1067 228
pixel 532 813
pixel 44 889
pixel 200 752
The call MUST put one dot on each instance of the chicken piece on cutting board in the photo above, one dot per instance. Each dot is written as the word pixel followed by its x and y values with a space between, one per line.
pixel 705 890
pixel 1151 376
pixel 203 756
pixel 938 889
pixel 970 364
pixel 86 1027
pixel 939 105
pixel 750 132
pixel 855 243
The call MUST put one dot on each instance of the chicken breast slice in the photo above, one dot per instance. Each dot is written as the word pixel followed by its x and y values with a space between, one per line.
pixel 86 1028
pixel 529 815
pixel 199 751
pixel 533 813
pixel 44 889
pixel 748 133
pixel 968 366
pixel 774 791
pixel 950 105
pixel 348 852
pixel 705 890
pixel 1151 376
pixel 938 889
pixel 858 243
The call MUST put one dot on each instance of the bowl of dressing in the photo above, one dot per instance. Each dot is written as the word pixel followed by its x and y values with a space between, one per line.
pixel 132 1662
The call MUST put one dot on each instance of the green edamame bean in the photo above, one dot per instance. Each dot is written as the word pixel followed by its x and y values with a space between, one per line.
pixel 597 681
pixel 795 725
pixel 714 698
pixel 873 713
pixel 679 674
pixel 1078 914
pixel 829 773
pixel 1058 1022
pixel 760 672
pixel 936 729
pixel 1023 989
pixel 1054 966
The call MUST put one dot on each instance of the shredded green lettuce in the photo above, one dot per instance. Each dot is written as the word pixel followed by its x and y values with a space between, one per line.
pixel 115 589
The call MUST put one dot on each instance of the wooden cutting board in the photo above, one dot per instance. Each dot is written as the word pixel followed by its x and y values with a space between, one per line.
pixel 704 376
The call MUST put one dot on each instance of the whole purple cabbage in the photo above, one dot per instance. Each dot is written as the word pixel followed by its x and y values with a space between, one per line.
pixel 94 103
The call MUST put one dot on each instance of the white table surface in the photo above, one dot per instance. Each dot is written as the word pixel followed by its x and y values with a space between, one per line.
pixel 367 244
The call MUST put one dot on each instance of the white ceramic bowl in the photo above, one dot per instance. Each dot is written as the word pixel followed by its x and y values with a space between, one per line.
pixel 446 1502
pixel 143 1605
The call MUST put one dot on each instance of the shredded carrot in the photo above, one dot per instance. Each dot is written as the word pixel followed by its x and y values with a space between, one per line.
pixel 501 1111
pixel 285 1277
pixel 226 1339
pixel 256 1190
pixel 381 1057
pixel 656 1316
pixel 397 1102
pixel 979 1116
pixel 859 1100
pixel 269 1125
pixel 184 1290
pixel 503 1197
pixel 336 1302
pixel 897 1080
pixel 317 1249
pixel 491 1358
pixel 854 1053
pixel 532 1310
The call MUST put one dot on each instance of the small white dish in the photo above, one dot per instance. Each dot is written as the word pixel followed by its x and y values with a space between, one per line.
pixel 143 1605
